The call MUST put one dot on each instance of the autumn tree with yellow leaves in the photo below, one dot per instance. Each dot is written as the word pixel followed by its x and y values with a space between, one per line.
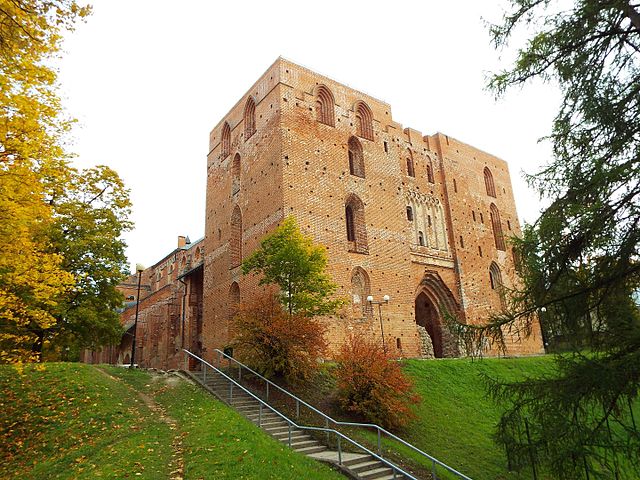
pixel 61 255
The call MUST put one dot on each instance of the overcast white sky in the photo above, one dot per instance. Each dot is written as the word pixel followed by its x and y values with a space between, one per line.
pixel 148 79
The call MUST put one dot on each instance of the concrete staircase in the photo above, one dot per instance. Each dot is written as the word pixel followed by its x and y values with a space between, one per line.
pixel 360 466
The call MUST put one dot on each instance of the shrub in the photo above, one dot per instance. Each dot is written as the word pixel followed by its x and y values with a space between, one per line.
pixel 276 343
pixel 370 383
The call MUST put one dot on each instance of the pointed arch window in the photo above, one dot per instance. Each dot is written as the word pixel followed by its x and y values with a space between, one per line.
pixel 235 244
pixel 355 224
pixel 234 299
pixel 411 170
pixel 235 174
pixel 488 183
pixel 249 118
pixel 497 227
pixel 360 290
pixel 430 171
pixel 225 141
pixel 409 213
pixel 325 106
pixel 495 278
pixel 356 157
pixel 364 121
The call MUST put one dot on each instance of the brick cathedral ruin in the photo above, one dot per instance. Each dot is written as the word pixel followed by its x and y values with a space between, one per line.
pixel 424 219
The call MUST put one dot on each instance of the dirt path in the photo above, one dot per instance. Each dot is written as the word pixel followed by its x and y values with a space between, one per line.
pixel 177 460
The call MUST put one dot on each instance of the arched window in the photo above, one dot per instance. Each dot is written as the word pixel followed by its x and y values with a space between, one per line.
pixel 225 141
pixel 411 171
pixel 235 244
pixel 234 299
pixel 488 183
pixel 325 106
pixel 356 158
pixel 409 213
pixel 360 290
pixel 235 174
pixel 351 226
pixel 495 278
pixel 364 121
pixel 249 118
pixel 420 238
pixel 355 223
pixel 430 171
pixel 497 227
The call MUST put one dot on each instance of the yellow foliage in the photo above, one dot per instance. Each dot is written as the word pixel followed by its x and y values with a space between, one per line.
pixel 32 168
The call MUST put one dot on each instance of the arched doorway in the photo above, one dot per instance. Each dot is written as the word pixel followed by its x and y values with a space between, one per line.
pixel 433 302
pixel 428 317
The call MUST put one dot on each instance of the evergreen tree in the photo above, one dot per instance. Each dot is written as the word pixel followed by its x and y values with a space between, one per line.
pixel 579 265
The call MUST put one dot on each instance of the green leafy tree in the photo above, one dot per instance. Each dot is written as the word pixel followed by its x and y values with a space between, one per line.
pixel 580 258
pixel 91 214
pixel 289 259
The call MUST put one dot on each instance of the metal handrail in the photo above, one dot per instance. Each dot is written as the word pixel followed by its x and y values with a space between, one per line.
pixel 378 428
pixel 291 423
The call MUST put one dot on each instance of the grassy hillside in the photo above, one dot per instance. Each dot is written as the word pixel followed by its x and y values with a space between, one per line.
pixel 76 421
pixel 456 419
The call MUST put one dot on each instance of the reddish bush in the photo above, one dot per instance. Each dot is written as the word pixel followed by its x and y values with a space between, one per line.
pixel 370 383
pixel 275 343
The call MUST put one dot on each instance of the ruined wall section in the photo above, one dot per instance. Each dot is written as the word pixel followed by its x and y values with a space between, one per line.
pixel 249 190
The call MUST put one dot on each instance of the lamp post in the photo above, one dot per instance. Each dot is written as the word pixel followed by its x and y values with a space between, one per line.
pixel 385 300
pixel 139 269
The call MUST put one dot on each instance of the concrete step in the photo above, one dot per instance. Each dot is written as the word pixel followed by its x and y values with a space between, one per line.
pixel 364 466
pixel 309 450
pixel 295 435
pixel 376 473
pixel 247 406
pixel 275 428
pixel 269 424
pixel 300 442
pixel 254 417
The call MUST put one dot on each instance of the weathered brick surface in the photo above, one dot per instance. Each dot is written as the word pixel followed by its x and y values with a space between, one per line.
pixel 300 166
pixel 418 208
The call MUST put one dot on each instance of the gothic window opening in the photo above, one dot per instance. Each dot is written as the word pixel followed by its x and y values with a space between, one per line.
pixel 235 174
pixel 249 118
pixel 360 290
pixel 497 228
pixel 234 300
pixel 356 157
pixel 356 225
pixel 421 239
pixel 364 121
pixel 235 243
pixel 495 278
pixel 409 213
pixel 430 171
pixel 488 183
pixel 351 227
pixel 411 171
pixel 225 141
pixel 325 106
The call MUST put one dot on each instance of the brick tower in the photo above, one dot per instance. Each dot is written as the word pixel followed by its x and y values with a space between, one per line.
pixel 423 219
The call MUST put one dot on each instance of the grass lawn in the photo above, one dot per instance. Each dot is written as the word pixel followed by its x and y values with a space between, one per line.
pixel 456 419
pixel 73 421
